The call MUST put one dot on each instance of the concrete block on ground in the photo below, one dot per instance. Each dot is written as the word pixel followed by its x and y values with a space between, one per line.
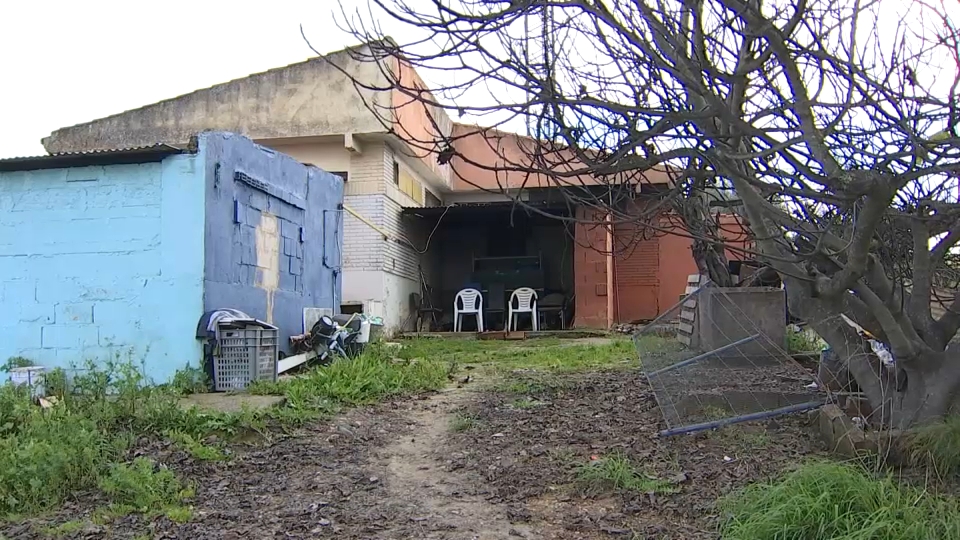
pixel 725 315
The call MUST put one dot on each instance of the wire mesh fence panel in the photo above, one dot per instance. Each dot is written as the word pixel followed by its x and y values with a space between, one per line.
pixel 727 362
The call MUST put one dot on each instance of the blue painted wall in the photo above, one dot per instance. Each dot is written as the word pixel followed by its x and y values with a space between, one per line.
pixel 103 262
pixel 272 234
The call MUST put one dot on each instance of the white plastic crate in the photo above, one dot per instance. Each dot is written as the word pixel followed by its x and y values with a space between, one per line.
pixel 244 355
pixel 31 376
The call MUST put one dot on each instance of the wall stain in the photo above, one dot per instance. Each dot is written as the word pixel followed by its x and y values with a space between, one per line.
pixel 268 258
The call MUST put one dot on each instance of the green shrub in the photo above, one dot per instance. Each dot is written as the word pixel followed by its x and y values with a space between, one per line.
pixel 143 486
pixel 49 457
pixel 825 500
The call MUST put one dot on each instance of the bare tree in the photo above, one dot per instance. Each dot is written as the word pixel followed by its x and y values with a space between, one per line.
pixel 832 121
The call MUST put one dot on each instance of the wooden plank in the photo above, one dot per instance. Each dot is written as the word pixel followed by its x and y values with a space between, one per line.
pixel 687 315
pixel 692 304
pixel 686 328
pixel 683 339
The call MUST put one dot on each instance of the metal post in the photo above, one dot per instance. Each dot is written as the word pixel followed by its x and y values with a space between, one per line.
pixel 700 357
pixel 743 418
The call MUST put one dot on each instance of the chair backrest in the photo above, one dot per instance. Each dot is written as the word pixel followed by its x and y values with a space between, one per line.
pixel 525 297
pixel 470 299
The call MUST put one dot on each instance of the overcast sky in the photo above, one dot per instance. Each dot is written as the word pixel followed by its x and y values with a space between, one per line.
pixel 65 62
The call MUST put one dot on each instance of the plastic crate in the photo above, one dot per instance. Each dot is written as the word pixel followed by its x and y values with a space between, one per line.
pixel 244 355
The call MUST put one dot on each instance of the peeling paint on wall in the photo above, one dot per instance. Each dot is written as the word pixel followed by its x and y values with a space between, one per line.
pixel 268 259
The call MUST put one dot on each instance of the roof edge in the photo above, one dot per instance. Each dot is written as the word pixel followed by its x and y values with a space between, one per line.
pixel 119 156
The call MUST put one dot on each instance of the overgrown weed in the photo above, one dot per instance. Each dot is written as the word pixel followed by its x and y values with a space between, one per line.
pixel 841 501
pixel 47 454
pixel 617 471
pixel 936 446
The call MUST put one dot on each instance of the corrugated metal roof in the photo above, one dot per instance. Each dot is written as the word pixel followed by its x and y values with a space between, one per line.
pixel 117 156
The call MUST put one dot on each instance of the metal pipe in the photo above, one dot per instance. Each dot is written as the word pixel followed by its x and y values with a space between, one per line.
pixel 700 357
pixel 800 407
pixel 366 222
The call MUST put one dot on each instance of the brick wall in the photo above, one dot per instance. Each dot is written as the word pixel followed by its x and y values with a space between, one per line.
pixel 636 274
pixel 590 272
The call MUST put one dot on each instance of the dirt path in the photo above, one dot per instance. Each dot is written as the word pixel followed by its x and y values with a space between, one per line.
pixel 450 504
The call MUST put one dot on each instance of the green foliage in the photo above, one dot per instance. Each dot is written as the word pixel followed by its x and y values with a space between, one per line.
pixel 143 486
pixel 803 341
pixel 618 472
pixel 16 362
pixel 195 447
pixel 936 446
pixel 190 380
pixel 371 377
pixel 463 422
pixel 840 502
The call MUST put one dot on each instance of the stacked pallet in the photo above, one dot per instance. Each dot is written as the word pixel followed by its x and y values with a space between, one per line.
pixel 686 326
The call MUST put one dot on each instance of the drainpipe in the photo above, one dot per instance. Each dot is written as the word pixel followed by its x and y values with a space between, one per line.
pixel 610 281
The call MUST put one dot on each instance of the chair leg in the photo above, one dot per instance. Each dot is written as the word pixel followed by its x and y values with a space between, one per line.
pixel 535 319
pixel 480 322
pixel 456 322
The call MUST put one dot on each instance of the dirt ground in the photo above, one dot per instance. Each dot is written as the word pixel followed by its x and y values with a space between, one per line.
pixel 476 461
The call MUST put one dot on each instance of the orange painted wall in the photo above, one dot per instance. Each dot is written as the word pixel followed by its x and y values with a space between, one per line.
pixel 420 125
pixel 590 272
pixel 481 149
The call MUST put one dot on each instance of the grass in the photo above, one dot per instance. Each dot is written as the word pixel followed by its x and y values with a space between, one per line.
pixel 837 501
pixel 553 355
pixel 532 386
pixel 371 377
pixel 463 422
pixel 936 446
pixel 143 486
pixel 524 403
pixel 618 472
pixel 195 447
pixel 65 529
pixel 81 443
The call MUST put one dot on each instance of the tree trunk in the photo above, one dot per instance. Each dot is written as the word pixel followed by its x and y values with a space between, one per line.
pixel 924 395
pixel 712 262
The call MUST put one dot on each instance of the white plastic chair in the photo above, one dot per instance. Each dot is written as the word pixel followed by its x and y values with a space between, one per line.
pixel 526 302
pixel 472 302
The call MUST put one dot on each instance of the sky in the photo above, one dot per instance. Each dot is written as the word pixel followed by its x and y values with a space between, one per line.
pixel 65 62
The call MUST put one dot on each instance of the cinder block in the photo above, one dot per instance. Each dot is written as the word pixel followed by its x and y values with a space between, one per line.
pixel 37 313
pixel 289 229
pixel 21 336
pixel 20 291
pixel 116 314
pixel 258 199
pixel 81 313
pixel 70 336
pixel 288 282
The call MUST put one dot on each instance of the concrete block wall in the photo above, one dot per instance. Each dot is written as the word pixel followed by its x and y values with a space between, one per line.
pixel 725 315
pixel 100 263
pixel 273 233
